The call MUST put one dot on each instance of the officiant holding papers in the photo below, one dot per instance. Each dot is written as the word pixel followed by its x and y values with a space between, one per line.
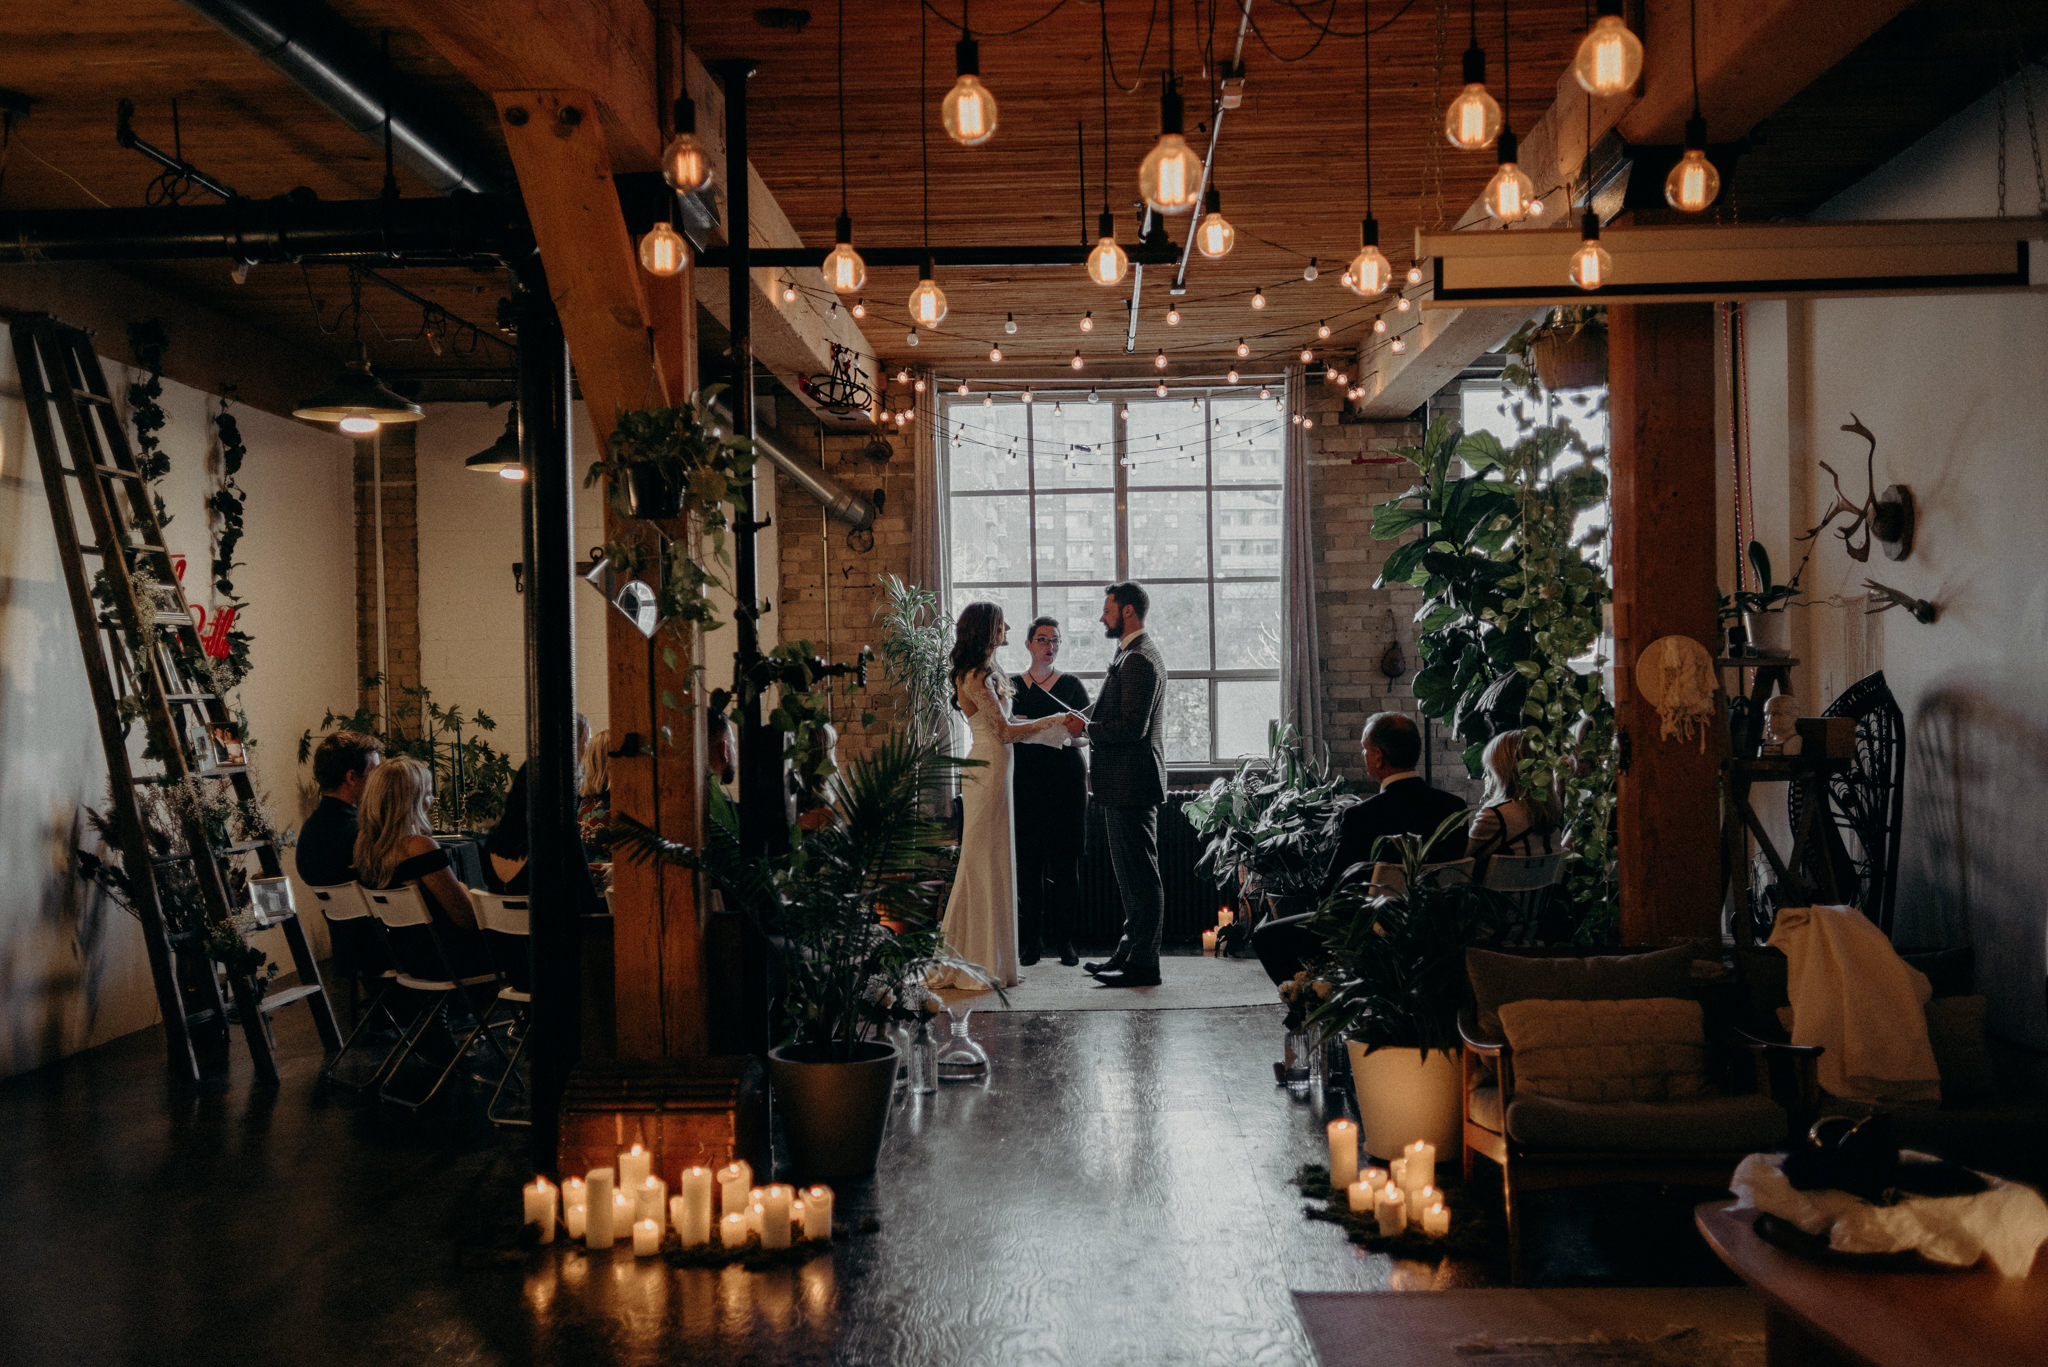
pixel 1050 801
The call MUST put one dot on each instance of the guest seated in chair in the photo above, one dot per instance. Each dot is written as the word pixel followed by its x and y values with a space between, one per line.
pixel 395 843
pixel 594 796
pixel 1404 805
pixel 1513 818
pixel 327 842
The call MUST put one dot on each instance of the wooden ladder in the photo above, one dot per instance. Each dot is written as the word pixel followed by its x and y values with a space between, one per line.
pixel 138 654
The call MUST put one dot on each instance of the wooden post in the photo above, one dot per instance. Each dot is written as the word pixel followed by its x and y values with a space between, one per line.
pixel 633 341
pixel 1661 406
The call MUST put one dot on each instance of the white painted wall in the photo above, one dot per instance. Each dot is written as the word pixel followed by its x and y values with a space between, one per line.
pixel 1953 389
pixel 72 968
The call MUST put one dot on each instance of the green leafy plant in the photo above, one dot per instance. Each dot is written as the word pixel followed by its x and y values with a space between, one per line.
pixel 471 776
pixel 1273 823
pixel 1395 962
pixel 881 855
pixel 793 678
pixel 1768 595
pixel 915 640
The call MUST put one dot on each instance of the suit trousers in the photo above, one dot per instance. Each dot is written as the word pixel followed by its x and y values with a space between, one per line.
pixel 1134 857
pixel 1048 892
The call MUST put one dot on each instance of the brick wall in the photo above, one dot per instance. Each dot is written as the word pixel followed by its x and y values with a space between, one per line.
pixel 400 505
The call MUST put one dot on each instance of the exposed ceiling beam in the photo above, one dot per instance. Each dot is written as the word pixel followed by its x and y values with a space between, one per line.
pixel 1754 55
pixel 607 47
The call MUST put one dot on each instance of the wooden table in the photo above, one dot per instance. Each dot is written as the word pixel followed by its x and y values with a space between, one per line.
pixel 1824 1313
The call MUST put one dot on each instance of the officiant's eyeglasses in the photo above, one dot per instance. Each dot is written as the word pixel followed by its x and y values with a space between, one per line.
pixel 1043 638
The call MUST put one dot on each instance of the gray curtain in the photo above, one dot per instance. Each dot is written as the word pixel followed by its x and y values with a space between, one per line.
pixel 928 566
pixel 1301 676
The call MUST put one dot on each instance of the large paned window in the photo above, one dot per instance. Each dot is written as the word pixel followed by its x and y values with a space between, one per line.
pixel 1050 501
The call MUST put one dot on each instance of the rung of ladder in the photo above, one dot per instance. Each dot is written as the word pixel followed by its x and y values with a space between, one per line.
pixel 218 771
pixel 243 847
pixel 87 396
pixel 191 697
pixel 278 1000
pixel 138 550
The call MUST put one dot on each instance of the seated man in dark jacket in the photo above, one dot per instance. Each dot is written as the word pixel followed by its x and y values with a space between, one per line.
pixel 327 842
pixel 1404 805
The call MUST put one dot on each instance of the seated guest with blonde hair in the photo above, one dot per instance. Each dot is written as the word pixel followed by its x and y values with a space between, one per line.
pixel 1513 818
pixel 395 845
pixel 594 796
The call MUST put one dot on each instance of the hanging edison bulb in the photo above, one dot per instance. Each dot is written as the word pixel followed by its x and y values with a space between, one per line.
pixel 1379 324
pixel 1173 317
pixel 686 161
pixel 1309 272
pixel 1232 377
pixel 1323 331
pixel 968 111
pixel 1398 345
pixel 1610 58
pixel 1160 390
pixel 1077 362
pixel 1243 349
pixel 1010 323
pixel 1215 237
pixel 1591 264
pixel 995 354
pixel 1369 272
pixel 927 301
pixel 1170 177
pixel 1308 354
pixel 1159 361
pixel 1510 192
pixel 1473 120
pixel 1088 321
pixel 860 308
pixel 663 251
pixel 1258 298
pixel 1107 261
pixel 1693 183
pixel 1415 272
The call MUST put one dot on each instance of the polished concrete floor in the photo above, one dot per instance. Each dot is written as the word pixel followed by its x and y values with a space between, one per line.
pixel 1115 1193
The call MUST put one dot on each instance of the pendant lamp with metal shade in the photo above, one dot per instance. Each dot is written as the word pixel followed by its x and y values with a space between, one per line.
pixel 501 457
pixel 358 401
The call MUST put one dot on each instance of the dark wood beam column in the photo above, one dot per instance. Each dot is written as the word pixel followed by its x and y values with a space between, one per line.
pixel 1661 405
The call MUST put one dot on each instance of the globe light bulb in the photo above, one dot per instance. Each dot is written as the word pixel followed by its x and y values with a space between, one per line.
pixel 788 290
pixel 1308 355
pixel 1242 349
pixel 860 308
pixel 1346 278
pixel 1088 321
pixel 1123 414
pixel 1107 261
pixel 1693 183
pixel 1258 298
pixel 1025 397
pixel 918 386
pixel 1307 422
pixel 1161 390
pixel 910 337
pixel 1509 194
pixel 1077 362
pixel 1403 304
pixel 1379 325
pixel 903 375
pixel 995 355
pixel 1473 120
pixel 663 251
pixel 1214 236
pixel 1591 265
pixel 1309 272
pixel 1055 408
pixel 1323 331
pixel 1370 274
pixel 1170 177
pixel 968 111
pixel 1094 397
pixel 1610 58
pixel 1415 272
pixel 1398 345
pixel 1173 318
pixel 962 389
pixel 1265 393
pixel 1159 361
pixel 927 301
pixel 1010 323
pixel 988 401
pixel 1232 377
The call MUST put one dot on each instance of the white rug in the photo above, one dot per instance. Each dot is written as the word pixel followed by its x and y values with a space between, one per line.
pixel 1186 982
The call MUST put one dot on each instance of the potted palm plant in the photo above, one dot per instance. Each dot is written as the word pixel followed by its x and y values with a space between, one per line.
pixel 822 905
pixel 1395 962
pixel 1269 828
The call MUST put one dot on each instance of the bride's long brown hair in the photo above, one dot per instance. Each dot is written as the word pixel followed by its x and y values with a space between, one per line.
pixel 974 647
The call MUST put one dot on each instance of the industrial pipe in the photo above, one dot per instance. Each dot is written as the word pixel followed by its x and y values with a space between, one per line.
pixel 838 503
pixel 286 229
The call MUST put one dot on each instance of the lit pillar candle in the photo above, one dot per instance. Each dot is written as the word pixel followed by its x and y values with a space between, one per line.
pixel 634 1165
pixel 1362 1197
pixel 625 1210
pixel 732 1230
pixel 1397 1175
pixel 1225 916
pixel 597 1222
pixel 1376 1178
pixel 775 1203
pixel 1421 1157
pixel 646 1237
pixel 755 1214
pixel 1343 1153
pixel 1436 1220
pixel 650 1199
pixel 690 1208
pixel 539 1199
pixel 817 1212
pixel 1208 942
pixel 574 1217
pixel 735 1180
pixel 1392 1211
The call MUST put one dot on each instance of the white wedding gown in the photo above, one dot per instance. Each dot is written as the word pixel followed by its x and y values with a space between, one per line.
pixel 981 915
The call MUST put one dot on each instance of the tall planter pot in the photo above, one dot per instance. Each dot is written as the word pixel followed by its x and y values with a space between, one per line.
pixel 833 1114
pixel 1578 361
pixel 1770 633
pixel 651 494
pixel 1405 1095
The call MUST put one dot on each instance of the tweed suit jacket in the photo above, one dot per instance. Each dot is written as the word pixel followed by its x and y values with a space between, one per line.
pixel 1128 735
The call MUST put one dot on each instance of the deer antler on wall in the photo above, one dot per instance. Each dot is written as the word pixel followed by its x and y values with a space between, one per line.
pixel 1884 597
pixel 1889 515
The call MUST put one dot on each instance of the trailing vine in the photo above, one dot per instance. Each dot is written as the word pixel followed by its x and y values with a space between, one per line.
pixel 148 342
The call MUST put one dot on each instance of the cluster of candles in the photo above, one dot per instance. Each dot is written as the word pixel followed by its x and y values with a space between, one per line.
pixel 606 1205
pixel 1398 1195
pixel 1225 917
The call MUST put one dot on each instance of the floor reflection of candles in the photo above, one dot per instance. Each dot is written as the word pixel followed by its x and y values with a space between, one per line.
pixel 640 1304
pixel 541 1285
pixel 819 1284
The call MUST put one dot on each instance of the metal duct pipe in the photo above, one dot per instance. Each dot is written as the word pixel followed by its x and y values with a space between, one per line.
pixel 338 67
pixel 463 228
pixel 839 504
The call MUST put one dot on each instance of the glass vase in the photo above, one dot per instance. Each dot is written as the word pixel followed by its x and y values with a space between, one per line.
pixel 1295 1063
pixel 960 1057
pixel 924 1070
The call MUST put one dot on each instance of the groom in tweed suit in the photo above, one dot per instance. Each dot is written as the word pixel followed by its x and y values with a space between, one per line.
pixel 1127 774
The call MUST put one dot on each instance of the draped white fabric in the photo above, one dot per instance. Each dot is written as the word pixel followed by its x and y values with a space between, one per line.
pixel 1301 679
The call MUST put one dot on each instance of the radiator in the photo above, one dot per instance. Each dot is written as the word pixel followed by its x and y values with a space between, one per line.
pixel 1191 897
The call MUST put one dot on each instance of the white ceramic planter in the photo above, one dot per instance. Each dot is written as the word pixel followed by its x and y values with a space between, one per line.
pixel 1405 1095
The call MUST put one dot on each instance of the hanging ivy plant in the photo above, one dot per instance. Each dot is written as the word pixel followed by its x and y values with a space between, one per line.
pixel 148 342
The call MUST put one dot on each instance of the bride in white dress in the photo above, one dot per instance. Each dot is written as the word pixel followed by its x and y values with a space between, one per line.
pixel 981 914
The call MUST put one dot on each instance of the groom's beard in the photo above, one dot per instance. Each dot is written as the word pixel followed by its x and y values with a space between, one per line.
pixel 1112 634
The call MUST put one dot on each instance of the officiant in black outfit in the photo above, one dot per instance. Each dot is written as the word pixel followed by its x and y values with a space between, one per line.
pixel 1049 796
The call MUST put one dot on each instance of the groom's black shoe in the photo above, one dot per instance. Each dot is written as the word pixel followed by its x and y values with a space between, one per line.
pixel 1129 977
pixel 1027 957
pixel 1068 958
pixel 1106 966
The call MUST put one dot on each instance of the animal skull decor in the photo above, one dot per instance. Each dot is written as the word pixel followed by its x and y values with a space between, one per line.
pixel 1889 515
pixel 1676 675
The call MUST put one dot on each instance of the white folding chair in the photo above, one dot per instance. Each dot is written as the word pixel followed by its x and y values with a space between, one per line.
pixel 424 970
pixel 504 919
pixel 1391 880
pixel 1525 880
pixel 361 956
